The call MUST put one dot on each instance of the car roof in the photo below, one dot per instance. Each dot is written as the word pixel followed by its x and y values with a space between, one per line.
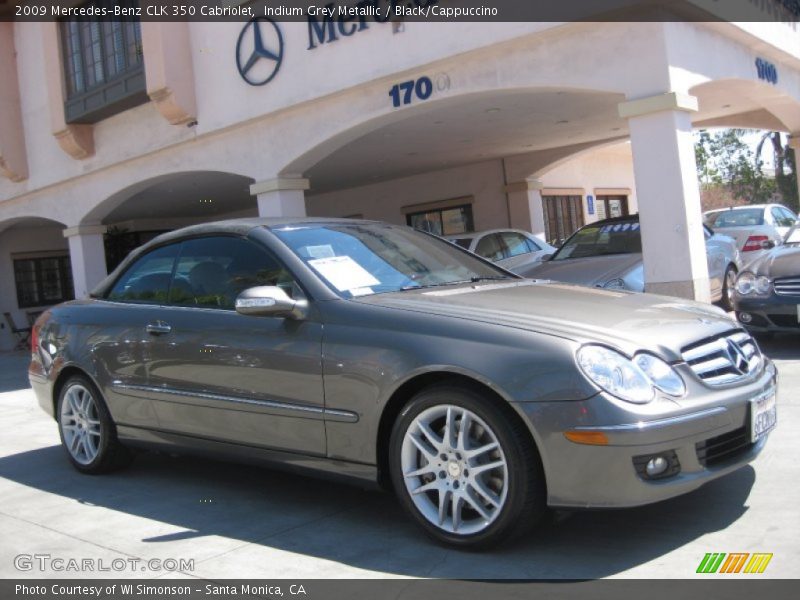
pixel 473 234
pixel 243 226
pixel 612 220
pixel 740 207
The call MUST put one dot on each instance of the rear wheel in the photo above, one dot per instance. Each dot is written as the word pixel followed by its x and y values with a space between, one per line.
pixel 86 429
pixel 728 285
pixel 466 471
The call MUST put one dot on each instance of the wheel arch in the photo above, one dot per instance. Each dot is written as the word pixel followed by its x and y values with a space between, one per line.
pixel 408 389
pixel 63 376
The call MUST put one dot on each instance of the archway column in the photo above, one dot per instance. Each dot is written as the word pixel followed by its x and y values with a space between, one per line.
pixel 525 209
pixel 87 257
pixel 673 242
pixel 281 197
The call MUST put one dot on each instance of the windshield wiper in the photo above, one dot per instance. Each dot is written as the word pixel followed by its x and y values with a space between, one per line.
pixel 442 283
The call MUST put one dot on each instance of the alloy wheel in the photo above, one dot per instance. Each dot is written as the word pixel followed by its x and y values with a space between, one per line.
pixel 80 424
pixel 454 469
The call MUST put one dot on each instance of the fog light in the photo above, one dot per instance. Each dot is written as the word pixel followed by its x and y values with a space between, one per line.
pixel 656 466
pixel 745 317
pixel 651 467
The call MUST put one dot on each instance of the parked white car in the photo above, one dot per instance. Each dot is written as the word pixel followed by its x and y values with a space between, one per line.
pixel 512 249
pixel 756 227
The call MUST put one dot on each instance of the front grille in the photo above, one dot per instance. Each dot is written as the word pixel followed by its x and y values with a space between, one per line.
pixel 726 358
pixel 785 320
pixel 787 286
pixel 723 448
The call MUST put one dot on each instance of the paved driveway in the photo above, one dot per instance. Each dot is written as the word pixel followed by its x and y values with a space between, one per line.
pixel 240 521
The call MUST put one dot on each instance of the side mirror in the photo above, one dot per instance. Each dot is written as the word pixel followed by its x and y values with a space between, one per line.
pixel 546 257
pixel 269 301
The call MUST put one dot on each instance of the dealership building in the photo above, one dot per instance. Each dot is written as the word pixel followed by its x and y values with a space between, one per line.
pixel 111 132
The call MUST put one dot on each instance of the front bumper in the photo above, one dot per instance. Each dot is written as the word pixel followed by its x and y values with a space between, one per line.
pixel 779 314
pixel 606 476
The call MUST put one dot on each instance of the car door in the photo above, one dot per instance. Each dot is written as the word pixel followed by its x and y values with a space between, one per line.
pixel 121 353
pixel 217 374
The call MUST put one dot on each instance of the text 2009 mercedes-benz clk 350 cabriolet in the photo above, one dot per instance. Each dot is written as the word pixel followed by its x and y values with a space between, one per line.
pixel 388 355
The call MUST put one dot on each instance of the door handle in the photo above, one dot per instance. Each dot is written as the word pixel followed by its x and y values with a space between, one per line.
pixel 157 328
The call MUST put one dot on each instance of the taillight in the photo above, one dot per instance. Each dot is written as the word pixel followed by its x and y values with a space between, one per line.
pixel 755 242
pixel 34 339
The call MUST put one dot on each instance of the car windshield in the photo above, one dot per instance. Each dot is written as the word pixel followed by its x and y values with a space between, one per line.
pixel 463 242
pixel 737 217
pixel 601 240
pixel 371 258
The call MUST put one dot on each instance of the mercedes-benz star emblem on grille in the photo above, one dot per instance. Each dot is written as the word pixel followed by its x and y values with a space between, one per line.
pixel 738 357
pixel 259 51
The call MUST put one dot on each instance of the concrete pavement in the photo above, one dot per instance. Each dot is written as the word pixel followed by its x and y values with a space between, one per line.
pixel 241 521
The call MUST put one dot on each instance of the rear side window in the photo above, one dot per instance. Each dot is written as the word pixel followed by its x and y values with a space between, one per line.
pixel 212 271
pixel 739 217
pixel 491 248
pixel 147 280
pixel 517 244
pixel 783 217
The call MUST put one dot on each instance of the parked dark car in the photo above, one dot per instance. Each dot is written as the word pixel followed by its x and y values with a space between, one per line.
pixel 388 355
pixel 608 254
pixel 767 297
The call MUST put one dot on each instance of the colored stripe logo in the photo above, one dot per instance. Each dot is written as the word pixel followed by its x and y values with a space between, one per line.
pixel 734 562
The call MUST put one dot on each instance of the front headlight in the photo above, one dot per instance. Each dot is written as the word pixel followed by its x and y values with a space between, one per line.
pixel 615 284
pixel 661 374
pixel 748 283
pixel 616 374
pixel 630 380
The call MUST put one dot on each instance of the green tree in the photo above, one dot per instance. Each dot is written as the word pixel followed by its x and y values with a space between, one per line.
pixel 725 160
pixel 785 161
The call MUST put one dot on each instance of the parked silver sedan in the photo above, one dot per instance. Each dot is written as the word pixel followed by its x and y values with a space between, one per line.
pixel 512 249
pixel 608 254
pixel 756 227
pixel 389 356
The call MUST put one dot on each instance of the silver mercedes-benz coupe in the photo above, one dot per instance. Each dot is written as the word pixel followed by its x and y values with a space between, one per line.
pixel 389 356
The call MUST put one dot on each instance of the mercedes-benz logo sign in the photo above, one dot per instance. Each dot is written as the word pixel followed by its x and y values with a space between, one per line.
pixel 738 358
pixel 259 51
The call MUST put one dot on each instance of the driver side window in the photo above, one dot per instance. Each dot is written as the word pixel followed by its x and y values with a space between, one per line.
pixel 212 271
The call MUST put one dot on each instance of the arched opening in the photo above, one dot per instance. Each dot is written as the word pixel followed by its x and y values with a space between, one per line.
pixel 450 163
pixel 35 269
pixel 139 212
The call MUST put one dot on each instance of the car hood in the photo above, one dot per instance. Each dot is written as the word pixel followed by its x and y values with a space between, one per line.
pixel 593 270
pixel 781 261
pixel 629 321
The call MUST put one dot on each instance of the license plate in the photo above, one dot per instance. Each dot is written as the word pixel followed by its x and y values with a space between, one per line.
pixel 798 313
pixel 763 415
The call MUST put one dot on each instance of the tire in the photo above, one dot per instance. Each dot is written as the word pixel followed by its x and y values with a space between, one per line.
pixel 728 283
pixel 87 432
pixel 491 505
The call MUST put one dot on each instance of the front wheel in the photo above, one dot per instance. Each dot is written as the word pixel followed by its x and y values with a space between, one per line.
pixel 464 469
pixel 86 429
pixel 728 285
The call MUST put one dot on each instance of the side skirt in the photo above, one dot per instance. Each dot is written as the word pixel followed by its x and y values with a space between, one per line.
pixel 362 475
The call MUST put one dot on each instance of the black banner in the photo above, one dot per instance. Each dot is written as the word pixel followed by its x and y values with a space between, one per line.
pixel 354 11
pixel 715 588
